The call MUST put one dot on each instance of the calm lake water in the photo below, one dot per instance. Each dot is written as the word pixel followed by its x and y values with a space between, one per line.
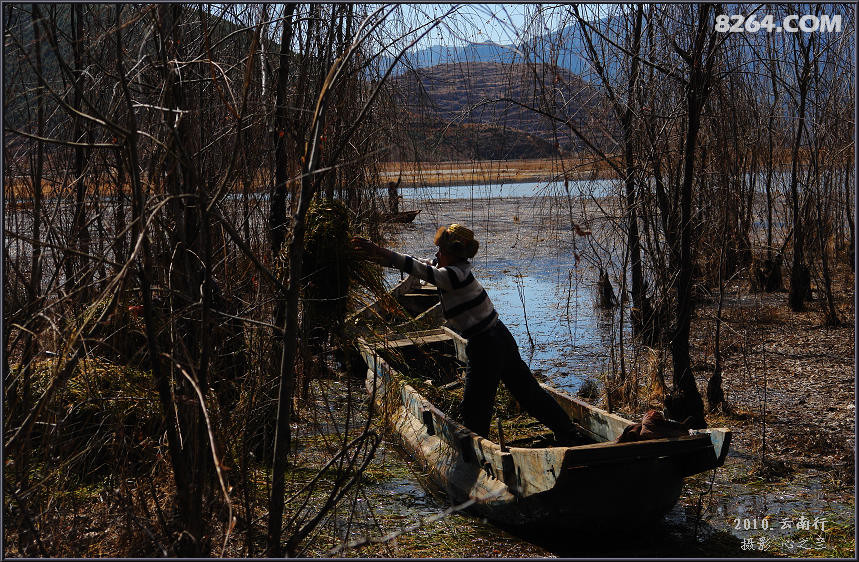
pixel 595 188
pixel 550 309
pixel 576 188
pixel 552 306
pixel 528 267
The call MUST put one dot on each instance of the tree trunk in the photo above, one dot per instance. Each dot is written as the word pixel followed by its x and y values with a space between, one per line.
pixel 851 222
pixel 771 280
pixel 21 398
pixel 800 276
pixel 642 313
pixel 285 347
pixel 76 259
pixel 289 345
pixel 715 393
pixel 168 407
pixel 822 236
pixel 685 399
pixel 277 214
pixel 187 274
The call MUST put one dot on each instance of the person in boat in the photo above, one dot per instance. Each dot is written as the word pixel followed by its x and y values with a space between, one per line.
pixel 492 352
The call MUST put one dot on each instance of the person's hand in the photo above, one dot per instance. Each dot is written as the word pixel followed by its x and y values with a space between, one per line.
pixel 370 251
pixel 363 246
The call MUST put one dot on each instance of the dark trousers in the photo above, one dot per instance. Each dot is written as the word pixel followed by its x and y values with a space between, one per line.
pixel 492 356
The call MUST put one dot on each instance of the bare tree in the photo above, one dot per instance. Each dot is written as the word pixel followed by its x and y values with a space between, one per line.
pixel 625 110
pixel 800 276
pixel 157 109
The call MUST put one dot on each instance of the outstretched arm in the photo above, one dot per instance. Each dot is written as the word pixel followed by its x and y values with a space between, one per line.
pixel 443 278
pixel 373 252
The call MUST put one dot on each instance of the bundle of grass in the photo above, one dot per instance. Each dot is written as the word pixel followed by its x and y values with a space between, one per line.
pixel 117 328
pixel 334 278
pixel 326 265
pixel 336 281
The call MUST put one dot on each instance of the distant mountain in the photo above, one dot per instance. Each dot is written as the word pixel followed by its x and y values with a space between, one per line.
pixel 563 47
pixel 444 54
pixel 433 140
pixel 566 48
pixel 505 105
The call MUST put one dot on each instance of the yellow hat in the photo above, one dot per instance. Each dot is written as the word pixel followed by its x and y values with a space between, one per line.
pixel 456 240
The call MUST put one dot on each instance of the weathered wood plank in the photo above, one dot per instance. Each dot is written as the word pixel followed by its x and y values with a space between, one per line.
pixel 421 340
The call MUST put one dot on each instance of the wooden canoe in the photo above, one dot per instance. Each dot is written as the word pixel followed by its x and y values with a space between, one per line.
pixel 528 489
pixel 399 217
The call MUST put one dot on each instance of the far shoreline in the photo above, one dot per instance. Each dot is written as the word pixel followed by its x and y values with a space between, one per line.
pixel 407 174
pixel 482 172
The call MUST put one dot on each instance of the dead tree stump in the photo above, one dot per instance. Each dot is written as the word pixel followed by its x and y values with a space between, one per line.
pixel 607 298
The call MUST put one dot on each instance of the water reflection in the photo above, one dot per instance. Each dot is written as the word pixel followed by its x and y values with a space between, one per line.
pixel 551 303
pixel 554 304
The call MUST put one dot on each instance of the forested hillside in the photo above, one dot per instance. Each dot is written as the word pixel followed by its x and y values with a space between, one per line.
pixel 521 111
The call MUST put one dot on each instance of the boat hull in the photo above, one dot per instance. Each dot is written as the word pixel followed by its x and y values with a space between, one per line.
pixel 535 491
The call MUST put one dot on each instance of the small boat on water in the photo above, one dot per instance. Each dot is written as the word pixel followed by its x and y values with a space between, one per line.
pixel 399 217
pixel 527 485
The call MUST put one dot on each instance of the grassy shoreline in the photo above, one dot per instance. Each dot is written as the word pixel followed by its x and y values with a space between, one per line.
pixel 18 191
pixel 434 174
pixel 414 174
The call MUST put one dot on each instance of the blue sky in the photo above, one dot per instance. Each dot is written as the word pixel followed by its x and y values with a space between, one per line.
pixel 477 23
pixel 499 23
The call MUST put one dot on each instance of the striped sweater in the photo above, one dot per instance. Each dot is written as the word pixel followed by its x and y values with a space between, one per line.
pixel 464 301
